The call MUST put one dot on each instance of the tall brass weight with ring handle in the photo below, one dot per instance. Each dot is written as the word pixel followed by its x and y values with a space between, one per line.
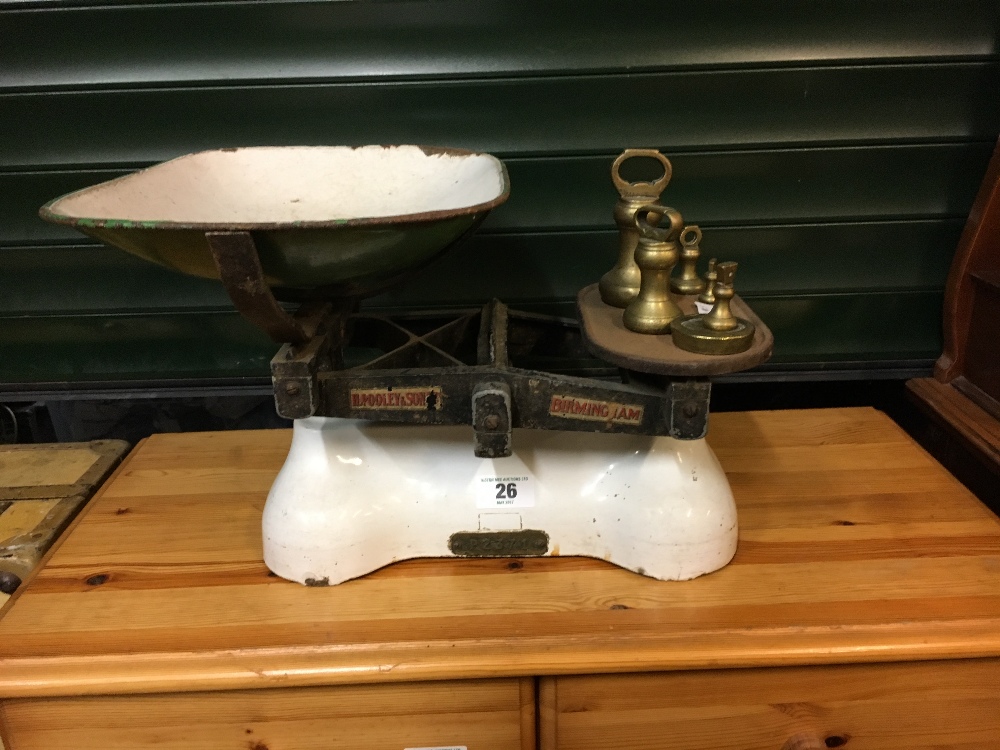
pixel 620 285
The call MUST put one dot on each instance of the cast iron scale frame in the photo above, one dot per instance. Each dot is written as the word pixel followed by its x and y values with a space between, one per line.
pixel 448 367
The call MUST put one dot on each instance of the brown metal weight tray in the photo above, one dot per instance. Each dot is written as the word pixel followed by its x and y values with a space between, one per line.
pixel 608 338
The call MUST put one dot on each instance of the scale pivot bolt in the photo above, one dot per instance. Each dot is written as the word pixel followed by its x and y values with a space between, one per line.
pixel 491 422
pixel 292 389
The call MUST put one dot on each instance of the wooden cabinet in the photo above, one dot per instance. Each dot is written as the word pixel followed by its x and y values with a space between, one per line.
pixel 917 706
pixel 963 397
pixel 862 608
pixel 481 714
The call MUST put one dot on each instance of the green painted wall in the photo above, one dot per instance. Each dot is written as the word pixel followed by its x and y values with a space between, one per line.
pixel 833 148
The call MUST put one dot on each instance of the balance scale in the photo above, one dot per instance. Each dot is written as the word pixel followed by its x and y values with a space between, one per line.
pixel 431 434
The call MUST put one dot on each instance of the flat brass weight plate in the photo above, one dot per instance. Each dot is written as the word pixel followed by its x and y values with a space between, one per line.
pixel 691 333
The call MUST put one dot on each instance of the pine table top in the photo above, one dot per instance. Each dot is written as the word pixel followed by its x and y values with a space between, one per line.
pixel 855 546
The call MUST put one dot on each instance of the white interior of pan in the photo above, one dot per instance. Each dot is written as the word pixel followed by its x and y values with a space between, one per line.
pixel 288 184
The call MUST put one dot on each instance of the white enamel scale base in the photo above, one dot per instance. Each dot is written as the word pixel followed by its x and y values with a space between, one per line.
pixel 355 496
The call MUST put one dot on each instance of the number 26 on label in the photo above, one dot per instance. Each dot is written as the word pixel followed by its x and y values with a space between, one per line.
pixel 508 490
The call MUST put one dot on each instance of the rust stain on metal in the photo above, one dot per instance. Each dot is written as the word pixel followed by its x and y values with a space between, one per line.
pixel 236 259
pixel 571 407
pixel 429 398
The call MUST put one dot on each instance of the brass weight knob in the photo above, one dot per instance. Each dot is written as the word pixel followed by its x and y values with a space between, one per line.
pixel 653 309
pixel 620 285
pixel 688 282
pixel 707 298
pixel 721 317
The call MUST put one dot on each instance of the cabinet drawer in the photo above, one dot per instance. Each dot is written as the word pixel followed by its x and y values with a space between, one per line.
pixel 858 707
pixel 481 715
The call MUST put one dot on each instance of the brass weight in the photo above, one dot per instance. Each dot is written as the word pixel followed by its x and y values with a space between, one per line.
pixel 718 332
pixel 620 285
pixel 688 281
pixel 707 298
pixel 653 309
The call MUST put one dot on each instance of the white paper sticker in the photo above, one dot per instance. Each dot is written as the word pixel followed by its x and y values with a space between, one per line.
pixel 500 522
pixel 504 483
pixel 703 307
pixel 506 491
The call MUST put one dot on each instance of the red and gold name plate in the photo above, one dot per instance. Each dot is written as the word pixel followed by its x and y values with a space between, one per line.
pixel 424 398
pixel 571 407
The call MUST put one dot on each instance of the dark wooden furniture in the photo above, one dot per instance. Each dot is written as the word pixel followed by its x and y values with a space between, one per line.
pixel 963 397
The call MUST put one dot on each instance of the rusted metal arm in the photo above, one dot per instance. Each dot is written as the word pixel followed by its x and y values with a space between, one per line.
pixel 235 255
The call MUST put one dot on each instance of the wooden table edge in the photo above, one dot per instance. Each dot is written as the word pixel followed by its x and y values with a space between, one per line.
pixel 359 664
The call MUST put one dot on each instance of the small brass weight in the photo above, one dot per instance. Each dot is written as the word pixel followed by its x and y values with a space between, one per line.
pixel 620 285
pixel 653 309
pixel 719 331
pixel 707 298
pixel 688 281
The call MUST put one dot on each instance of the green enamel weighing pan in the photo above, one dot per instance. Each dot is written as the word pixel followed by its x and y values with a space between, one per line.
pixel 335 220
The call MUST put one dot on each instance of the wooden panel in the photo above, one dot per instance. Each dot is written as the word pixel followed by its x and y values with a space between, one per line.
pixel 482 715
pixel 952 410
pixel 516 116
pixel 922 706
pixel 971 272
pixel 855 546
pixel 321 40
pixel 39 467
pixel 43 471
pixel 42 488
pixel 728 188
pixel 959 434
pixel 20 517
pixel 982 359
